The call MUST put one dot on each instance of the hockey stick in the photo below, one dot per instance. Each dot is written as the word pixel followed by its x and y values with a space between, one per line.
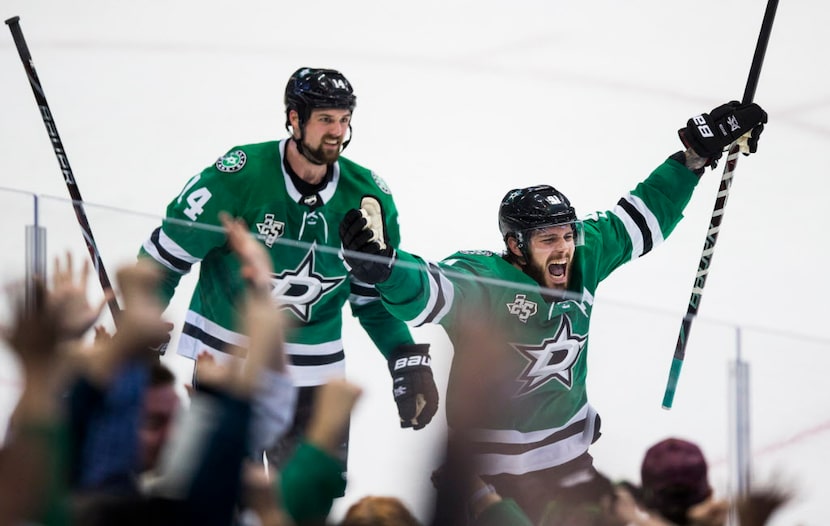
pixel 717 213
pixel 63 161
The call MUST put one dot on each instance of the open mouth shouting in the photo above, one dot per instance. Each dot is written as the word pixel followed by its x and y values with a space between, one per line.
pixel 558 272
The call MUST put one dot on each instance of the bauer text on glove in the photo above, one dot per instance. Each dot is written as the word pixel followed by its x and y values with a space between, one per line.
pixel 413 385
pixel 709 133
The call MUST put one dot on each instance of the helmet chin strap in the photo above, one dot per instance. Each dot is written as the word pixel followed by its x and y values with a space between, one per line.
pixel 347 141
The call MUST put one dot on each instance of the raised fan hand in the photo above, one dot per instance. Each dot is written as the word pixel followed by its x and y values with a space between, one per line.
pixel 68 298
pixel 257 268
pixel 263 322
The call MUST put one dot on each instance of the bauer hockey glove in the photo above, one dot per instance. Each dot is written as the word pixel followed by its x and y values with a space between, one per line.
pixel 413 385
pixel 363 233
pixel 709 133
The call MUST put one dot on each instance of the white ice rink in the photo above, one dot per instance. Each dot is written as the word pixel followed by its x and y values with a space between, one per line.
pixel 457 103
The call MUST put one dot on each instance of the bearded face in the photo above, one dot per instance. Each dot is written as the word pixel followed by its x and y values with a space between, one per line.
pixel 324 133
pixel 550 253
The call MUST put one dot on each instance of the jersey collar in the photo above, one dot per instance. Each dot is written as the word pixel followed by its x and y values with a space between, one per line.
pixel 296 195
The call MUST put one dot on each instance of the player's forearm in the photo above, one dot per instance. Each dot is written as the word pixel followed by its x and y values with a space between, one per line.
pixel 386 331
pixel 405 292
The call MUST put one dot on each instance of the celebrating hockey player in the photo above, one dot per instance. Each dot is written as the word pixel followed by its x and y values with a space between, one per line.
pixel 293 194
pixel 533 444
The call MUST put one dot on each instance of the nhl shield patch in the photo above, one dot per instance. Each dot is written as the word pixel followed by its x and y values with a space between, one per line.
pixel 231 161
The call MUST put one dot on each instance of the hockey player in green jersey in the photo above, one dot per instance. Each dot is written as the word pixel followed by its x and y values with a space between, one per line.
pixel 534 440
pixel 292 193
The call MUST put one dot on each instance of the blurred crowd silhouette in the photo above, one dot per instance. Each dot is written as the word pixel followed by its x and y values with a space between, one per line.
pixel 100 435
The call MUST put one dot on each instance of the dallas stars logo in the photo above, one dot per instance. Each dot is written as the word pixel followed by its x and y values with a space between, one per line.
pixel 299 289
pixel 231 161
pixel 554 358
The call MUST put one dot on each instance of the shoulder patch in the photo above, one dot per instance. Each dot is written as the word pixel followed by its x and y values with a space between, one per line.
pixel 381 183
pixel 231 161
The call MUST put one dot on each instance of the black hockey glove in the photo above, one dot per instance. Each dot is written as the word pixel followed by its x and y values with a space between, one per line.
pixel 412 384
pixel 709 133
pixel 364 232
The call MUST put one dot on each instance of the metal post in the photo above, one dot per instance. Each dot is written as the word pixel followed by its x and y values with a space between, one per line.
pixel 35 254
pixel 740 450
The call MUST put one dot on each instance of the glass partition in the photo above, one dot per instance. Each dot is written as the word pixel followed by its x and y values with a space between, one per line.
pixel 630 353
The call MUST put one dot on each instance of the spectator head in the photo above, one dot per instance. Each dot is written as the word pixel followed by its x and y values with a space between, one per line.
pixel 161 402
pixel 588 503
pixel 379 511
pixel 674 478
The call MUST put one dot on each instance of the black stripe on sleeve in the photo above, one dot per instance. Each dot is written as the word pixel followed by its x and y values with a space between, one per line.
pixel 640 221
pixel 178 264
pixel 363 290
pixel 441 300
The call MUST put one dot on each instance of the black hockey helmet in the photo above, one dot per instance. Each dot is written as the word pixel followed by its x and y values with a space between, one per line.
pixel 312 88
pixel 526 209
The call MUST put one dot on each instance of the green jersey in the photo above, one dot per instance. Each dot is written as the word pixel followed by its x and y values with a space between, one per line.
pixel 299 228
pixel 545 419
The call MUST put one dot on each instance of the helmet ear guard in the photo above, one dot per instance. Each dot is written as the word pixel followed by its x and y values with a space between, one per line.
pixel 520 245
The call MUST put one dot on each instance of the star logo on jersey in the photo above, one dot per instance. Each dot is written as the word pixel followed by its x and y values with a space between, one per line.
pixel 270 229
pixel 299 289
pixel 553 359
pixel 522 308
